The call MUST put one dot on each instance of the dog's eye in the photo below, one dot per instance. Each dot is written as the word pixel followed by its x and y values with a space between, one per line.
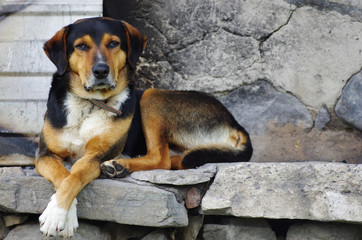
pixel 112 44
pixel 82 46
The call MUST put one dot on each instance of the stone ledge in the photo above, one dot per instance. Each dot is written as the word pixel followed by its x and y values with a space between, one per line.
pixel 308 190
pixel 103 199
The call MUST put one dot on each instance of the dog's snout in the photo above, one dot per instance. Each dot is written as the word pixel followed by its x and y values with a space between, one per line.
pixel 100 70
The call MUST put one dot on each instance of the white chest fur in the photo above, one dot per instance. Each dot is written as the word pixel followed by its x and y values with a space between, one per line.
pixel 86 121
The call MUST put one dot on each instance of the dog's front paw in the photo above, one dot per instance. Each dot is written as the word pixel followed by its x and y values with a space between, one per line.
pixel 113 169
pixel 58 221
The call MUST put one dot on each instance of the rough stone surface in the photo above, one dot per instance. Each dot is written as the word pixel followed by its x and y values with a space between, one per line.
pixel 302 56
pixel 324 231
pixel 11 171
pixel 181 177
pixel 316 191
pixel 192 230
pixel 322 118
pixel 349 105
pixel 150 206
pixel 31 231
pixel 241 229
pixel 156 235
pixel 291 144
pixel 12 220
pixel 263 102
pixel 126 232
pixel 3 229
pixel 307 48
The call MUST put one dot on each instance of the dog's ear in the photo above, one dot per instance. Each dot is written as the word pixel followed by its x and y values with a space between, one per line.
pixel 56 50
pixel 136 43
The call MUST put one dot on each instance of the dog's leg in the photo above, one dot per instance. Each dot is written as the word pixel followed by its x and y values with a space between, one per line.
pixel 52 169
pixel 157 156
pixel 176 162
pixel 60 216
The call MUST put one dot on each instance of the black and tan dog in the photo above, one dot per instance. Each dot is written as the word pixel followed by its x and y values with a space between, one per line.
pixel 94 114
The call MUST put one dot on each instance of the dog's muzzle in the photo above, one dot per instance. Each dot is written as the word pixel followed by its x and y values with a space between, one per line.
pixel 101 79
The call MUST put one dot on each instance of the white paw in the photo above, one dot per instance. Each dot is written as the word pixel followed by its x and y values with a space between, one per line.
pixel 58 221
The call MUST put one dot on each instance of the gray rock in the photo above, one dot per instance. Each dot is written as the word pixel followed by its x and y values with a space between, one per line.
pixel 31 231
pixel 126 232
pixel 11 171
pixel 108 200
pixel 3 229
pixel 208 65
pixel 315 191
pixel 259 105
pixel 192 230
pixel 313 55
pixel 241 229
pixel 12 220
pixel 324 231
pixel 158 234
pixel 345 7
pixel 181 177
pixel 208 45
pixel 349 105
pixel 322 118
pixel 252 18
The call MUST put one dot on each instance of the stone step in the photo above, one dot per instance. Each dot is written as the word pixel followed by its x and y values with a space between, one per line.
pixel 103 199
pixel 308 190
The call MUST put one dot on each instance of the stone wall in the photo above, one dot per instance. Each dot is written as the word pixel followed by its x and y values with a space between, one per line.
pixel 225 201
pixel 290 71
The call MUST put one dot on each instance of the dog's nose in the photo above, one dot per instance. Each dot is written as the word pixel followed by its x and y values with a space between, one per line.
pixel 100 70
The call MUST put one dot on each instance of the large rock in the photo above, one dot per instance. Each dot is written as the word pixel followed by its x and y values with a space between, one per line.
pixel 3 229
pixel 349 105
pixel 324 231
pixel 103 199
pixel 241 229
pixel 313 55
pixel 31 231
pixel 316 191
pixel 263 102
pixel 207 45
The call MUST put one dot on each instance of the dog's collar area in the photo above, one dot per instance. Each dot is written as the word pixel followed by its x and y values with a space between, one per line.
pixel 103 104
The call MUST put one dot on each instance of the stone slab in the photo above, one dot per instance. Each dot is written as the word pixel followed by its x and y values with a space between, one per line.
pixel 103 199
pixel 322 231
pixel 30 231
pixel 310 190
pixel 181 177
pixel 241 229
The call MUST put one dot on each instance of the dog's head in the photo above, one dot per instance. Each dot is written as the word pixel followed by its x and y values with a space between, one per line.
pixel 97 53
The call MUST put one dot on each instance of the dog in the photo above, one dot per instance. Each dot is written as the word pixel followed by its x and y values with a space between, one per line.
pixel 94 114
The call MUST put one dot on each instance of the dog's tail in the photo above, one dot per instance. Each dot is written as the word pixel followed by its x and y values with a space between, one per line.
pixel 240 152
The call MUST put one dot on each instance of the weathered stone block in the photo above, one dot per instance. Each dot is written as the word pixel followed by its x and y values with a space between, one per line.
pixel 241 229
pixel 316 191
pixel 259 105
pixel 108 200
pixel 322 231
pixel 182 177
pixel 313 55
pixel 31 231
